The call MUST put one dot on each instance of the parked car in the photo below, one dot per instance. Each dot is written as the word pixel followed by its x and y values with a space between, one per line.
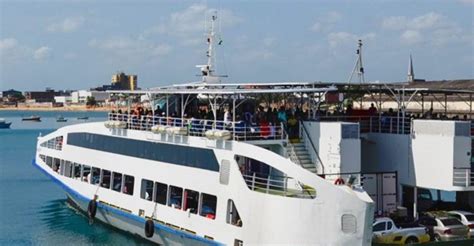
pixel 385 231
pixel 442 227
pixel 467 218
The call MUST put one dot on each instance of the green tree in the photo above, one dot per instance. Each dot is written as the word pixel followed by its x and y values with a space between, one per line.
pixel 90 101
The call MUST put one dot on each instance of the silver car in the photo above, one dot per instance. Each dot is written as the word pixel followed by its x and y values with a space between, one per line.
pixel 445 228
pixel 467 218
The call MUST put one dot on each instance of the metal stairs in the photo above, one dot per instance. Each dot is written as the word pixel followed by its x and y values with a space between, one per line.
pixel 298 153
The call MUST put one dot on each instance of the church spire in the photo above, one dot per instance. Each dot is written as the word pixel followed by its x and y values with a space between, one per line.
pixel 411 74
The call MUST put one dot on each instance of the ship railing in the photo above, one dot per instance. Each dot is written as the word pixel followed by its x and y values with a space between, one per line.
pixel 198 127
pixel 375 124
pixel 278 185
pixel 463 177
pixel 352 178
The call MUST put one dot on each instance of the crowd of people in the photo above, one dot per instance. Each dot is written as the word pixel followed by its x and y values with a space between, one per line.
pixel 266 121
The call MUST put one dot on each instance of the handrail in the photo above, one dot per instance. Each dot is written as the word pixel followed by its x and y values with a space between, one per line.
pixel 312 145
pixel 198 127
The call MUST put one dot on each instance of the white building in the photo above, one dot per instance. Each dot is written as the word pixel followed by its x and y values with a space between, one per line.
pixel 80 96
pixel 63 99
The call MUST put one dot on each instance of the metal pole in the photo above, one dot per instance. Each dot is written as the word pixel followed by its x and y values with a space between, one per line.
pixel 415 198
pixel 445 105
pixel 470 106
pixel 233 117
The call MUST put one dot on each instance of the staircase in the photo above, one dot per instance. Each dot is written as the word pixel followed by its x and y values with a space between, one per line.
pixel 298 154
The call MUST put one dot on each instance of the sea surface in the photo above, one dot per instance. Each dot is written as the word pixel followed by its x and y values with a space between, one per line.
pixel 33 209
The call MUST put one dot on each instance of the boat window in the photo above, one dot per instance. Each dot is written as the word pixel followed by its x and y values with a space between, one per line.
pixel 161 193
pixel 49 161
pixel 128 185
pixel 77 171
pixel 86 173
pixel 202 158
pixel 68 169
pixel 56 165
pixel 379 227
pixel 233 216
pixel 95 176
pixel 146 191
pixel 176 196
pixel 105 182
pixel 208 206
pixel 191 201
pixel 117 181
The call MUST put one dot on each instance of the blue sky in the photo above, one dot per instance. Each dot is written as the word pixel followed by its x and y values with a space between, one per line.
pixel 80 44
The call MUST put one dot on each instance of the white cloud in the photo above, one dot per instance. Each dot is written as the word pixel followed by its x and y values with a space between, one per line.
pixel 435 28
pixel 411 37
pixel 192 21
pixel 269 41
pixel 13 51
pixel 341 38
pixel 326 22
pixel 42 53
pixel 67 25
pixel 8 44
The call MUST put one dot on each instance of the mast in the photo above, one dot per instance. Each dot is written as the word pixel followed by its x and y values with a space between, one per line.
pixel 358 67
pixel 208 71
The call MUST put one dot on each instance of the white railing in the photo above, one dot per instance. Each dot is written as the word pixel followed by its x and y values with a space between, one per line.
pixel 382 124
pixel 463 177
pixel 278 186
pixel 198 127
pixel 54 143
pixel 379 124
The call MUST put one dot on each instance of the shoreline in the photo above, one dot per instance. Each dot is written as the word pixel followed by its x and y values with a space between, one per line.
pixel 71 109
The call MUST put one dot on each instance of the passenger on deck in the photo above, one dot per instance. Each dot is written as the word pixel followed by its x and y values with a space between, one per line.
pixel 372 110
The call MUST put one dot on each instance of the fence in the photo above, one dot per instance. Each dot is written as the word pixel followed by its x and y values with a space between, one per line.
pixel 198 127
pixel 463 177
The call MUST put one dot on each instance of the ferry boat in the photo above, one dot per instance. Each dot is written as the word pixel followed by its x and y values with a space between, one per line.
pixel 176 179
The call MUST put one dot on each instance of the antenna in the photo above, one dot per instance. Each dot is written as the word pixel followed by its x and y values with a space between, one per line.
pixel 358 67
pixel 208 70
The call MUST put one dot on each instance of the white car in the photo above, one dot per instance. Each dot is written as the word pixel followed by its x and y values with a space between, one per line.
pixel 467 218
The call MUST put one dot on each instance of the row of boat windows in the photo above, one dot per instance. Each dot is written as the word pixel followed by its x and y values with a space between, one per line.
pixel 188 156
pixel 179 198
pixel 183 199
pixel 105 178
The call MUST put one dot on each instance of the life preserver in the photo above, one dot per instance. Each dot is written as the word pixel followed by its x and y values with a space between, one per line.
pixel 149 228
pixel 92 209
pixel 339 181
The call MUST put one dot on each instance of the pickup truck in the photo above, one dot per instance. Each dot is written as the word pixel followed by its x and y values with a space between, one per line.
pixel 385 231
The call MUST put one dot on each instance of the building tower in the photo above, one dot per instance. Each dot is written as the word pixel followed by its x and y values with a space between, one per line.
pixel 411 74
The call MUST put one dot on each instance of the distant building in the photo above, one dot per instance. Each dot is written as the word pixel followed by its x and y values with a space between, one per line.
pixel 121 81
pixel 12 96
pixel 41 96
pixel 63 99
pixel 80 97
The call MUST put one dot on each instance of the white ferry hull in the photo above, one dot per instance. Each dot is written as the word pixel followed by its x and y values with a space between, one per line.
pixel 267 219
pixel 129 223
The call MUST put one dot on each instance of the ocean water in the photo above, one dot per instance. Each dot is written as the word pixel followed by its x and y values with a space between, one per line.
pixel 33 209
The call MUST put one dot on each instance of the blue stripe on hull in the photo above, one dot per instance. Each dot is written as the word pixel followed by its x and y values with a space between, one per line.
pixel 129 218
